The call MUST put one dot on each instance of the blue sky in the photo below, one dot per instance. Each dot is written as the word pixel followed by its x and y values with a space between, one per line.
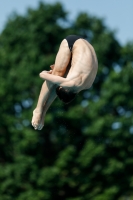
pixel 118 14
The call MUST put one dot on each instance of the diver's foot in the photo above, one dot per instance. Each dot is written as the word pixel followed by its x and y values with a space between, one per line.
pixel 37 121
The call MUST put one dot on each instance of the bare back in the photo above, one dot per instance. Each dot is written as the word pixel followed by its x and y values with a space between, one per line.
pixel 84 64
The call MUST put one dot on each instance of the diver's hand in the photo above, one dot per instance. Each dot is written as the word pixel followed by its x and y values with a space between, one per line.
pixel 52 66
pixel 48 72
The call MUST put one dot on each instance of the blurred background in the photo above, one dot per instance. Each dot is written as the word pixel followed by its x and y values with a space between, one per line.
pixel 85 150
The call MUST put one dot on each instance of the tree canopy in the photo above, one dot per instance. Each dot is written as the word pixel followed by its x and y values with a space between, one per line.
pixel 84 151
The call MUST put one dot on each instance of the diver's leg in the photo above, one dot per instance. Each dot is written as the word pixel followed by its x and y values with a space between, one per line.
pixel 62 59
pixel 48 94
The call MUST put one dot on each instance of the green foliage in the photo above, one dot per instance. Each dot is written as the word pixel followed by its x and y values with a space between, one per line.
pixel 85 150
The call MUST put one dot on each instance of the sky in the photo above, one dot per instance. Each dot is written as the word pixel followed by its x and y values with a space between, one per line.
pixel 118 14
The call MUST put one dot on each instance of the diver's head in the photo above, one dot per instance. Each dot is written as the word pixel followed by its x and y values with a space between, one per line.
pixel 65 95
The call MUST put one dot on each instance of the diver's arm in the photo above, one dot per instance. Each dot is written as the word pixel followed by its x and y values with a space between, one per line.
pixel 57 80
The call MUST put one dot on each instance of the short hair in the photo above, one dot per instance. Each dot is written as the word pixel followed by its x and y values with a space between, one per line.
pixel 65 95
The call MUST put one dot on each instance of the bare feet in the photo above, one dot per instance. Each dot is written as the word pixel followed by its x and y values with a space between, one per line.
pixel 38 113
pixel 38 119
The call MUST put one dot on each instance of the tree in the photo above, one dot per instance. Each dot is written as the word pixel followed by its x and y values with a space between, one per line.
pixel 85 149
